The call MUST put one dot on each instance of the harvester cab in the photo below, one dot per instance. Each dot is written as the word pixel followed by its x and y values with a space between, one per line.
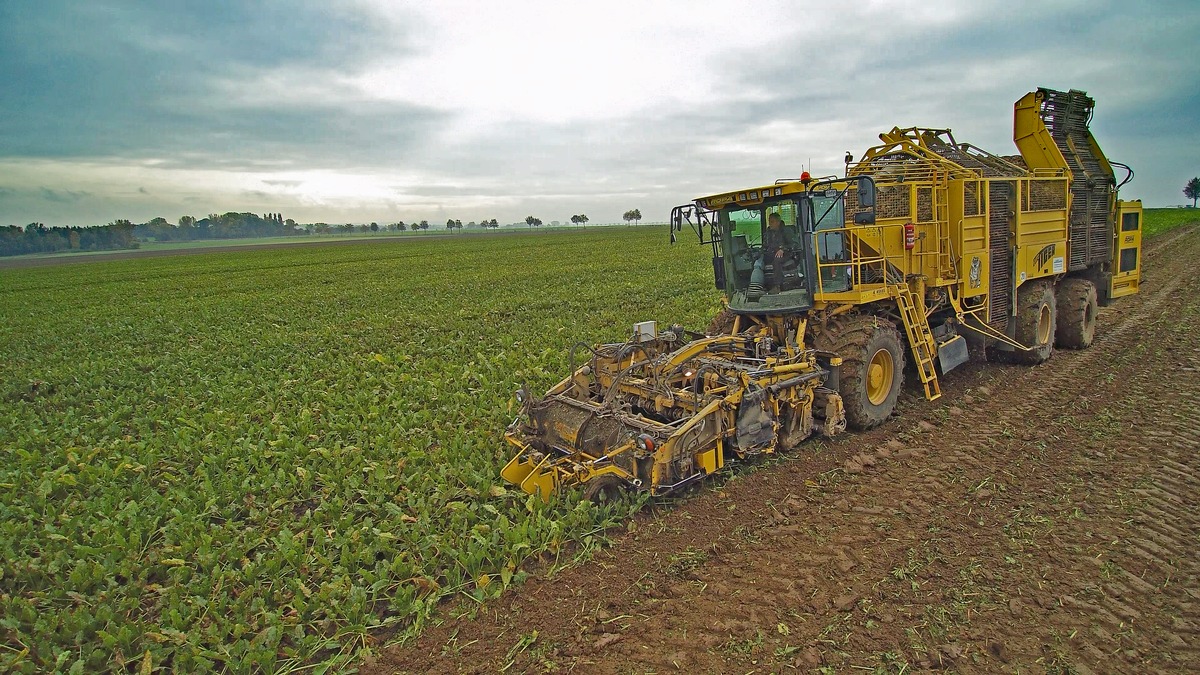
pixel 766 270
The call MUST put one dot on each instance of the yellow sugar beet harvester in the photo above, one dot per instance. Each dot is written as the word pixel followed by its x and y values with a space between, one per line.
pixel 926 248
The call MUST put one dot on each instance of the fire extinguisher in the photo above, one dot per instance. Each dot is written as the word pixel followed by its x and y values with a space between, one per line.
pixel 910 236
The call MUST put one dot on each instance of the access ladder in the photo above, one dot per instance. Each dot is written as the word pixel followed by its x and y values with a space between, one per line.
pixel 924 347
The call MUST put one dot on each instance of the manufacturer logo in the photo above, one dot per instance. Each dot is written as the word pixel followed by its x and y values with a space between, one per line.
pixel 1043 256
pixel 976 270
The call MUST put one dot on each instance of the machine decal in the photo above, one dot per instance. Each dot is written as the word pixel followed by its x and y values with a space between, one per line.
pixel 976 270
pixel 1043 256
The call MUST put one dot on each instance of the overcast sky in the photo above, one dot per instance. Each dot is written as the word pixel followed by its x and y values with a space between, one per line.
pixel 374 110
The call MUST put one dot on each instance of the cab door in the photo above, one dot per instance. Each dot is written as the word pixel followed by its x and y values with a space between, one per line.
pixel 1127 258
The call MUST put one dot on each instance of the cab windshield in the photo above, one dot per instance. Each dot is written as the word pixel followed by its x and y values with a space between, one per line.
pixel 766 256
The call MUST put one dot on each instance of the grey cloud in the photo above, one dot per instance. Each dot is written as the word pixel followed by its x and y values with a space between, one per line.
pixel 63 196
pixel 145 79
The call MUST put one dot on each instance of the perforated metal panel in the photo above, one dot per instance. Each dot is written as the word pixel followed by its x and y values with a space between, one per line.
pixel 999 230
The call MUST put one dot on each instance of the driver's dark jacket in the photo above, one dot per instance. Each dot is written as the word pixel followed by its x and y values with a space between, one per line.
pixel 783 238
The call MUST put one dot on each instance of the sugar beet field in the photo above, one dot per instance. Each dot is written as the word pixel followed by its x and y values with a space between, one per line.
pixel 264 460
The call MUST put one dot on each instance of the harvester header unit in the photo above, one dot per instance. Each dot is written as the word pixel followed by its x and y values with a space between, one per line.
pixel 927 248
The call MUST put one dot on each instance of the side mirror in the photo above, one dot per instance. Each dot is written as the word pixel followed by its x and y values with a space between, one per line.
pixel 866 191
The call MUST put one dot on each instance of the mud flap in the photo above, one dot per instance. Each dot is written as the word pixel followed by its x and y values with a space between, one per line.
pixel 952 353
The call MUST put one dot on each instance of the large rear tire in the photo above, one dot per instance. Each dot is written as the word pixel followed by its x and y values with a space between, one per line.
pixel 1036 322
pixel 1077 308
pixel 872 369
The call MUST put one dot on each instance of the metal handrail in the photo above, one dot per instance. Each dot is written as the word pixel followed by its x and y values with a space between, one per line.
pixel 858 259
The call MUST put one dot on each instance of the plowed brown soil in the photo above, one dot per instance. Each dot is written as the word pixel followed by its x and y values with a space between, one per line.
pixel 1038 519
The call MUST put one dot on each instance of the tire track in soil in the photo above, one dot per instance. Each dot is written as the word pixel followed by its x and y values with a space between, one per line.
pixel 1043 519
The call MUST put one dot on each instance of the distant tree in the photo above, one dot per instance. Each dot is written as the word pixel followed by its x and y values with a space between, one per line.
pixel 187 221
pixel 457 224
pixel 291 224
pixel 348 227
pixel 533 222
pixel 494 224
pixel 374 226
pixel 401 226
pixel 424 225
pixel 574 220
pixel 1192 190
pixel 632 214
pixel 583 219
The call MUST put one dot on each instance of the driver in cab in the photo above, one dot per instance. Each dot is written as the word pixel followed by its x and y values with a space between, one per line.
pixel 779 244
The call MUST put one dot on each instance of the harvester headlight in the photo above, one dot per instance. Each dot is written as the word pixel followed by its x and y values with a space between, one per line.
pixel 645 442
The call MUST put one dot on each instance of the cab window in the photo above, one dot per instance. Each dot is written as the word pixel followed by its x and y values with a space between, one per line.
pixel 747 224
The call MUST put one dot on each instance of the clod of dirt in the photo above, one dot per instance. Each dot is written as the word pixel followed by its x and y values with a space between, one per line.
pixel 998 650
pixel 845 602
pixel 606 640
pixel 983 495
pixel 895 444
pixel 947 654
pixel 967 399
pixel 925 425
pixel 810 657
pixel 1014 606
pixel 955 411
pixel 883 452
pixel 852 466
pixel 984 390
pixel 866 460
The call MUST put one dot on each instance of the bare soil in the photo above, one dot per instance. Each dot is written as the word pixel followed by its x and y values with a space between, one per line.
pixel 1035 519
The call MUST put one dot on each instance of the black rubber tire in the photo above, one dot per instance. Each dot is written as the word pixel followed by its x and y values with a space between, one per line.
pixel 1033 299
pixel 604 489
pixel 1078 305
pixel 857 339
pixel 722 323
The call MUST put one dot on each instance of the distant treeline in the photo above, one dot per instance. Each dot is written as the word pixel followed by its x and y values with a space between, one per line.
pixel 227 226
pixel 123 234
pixel 37 238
